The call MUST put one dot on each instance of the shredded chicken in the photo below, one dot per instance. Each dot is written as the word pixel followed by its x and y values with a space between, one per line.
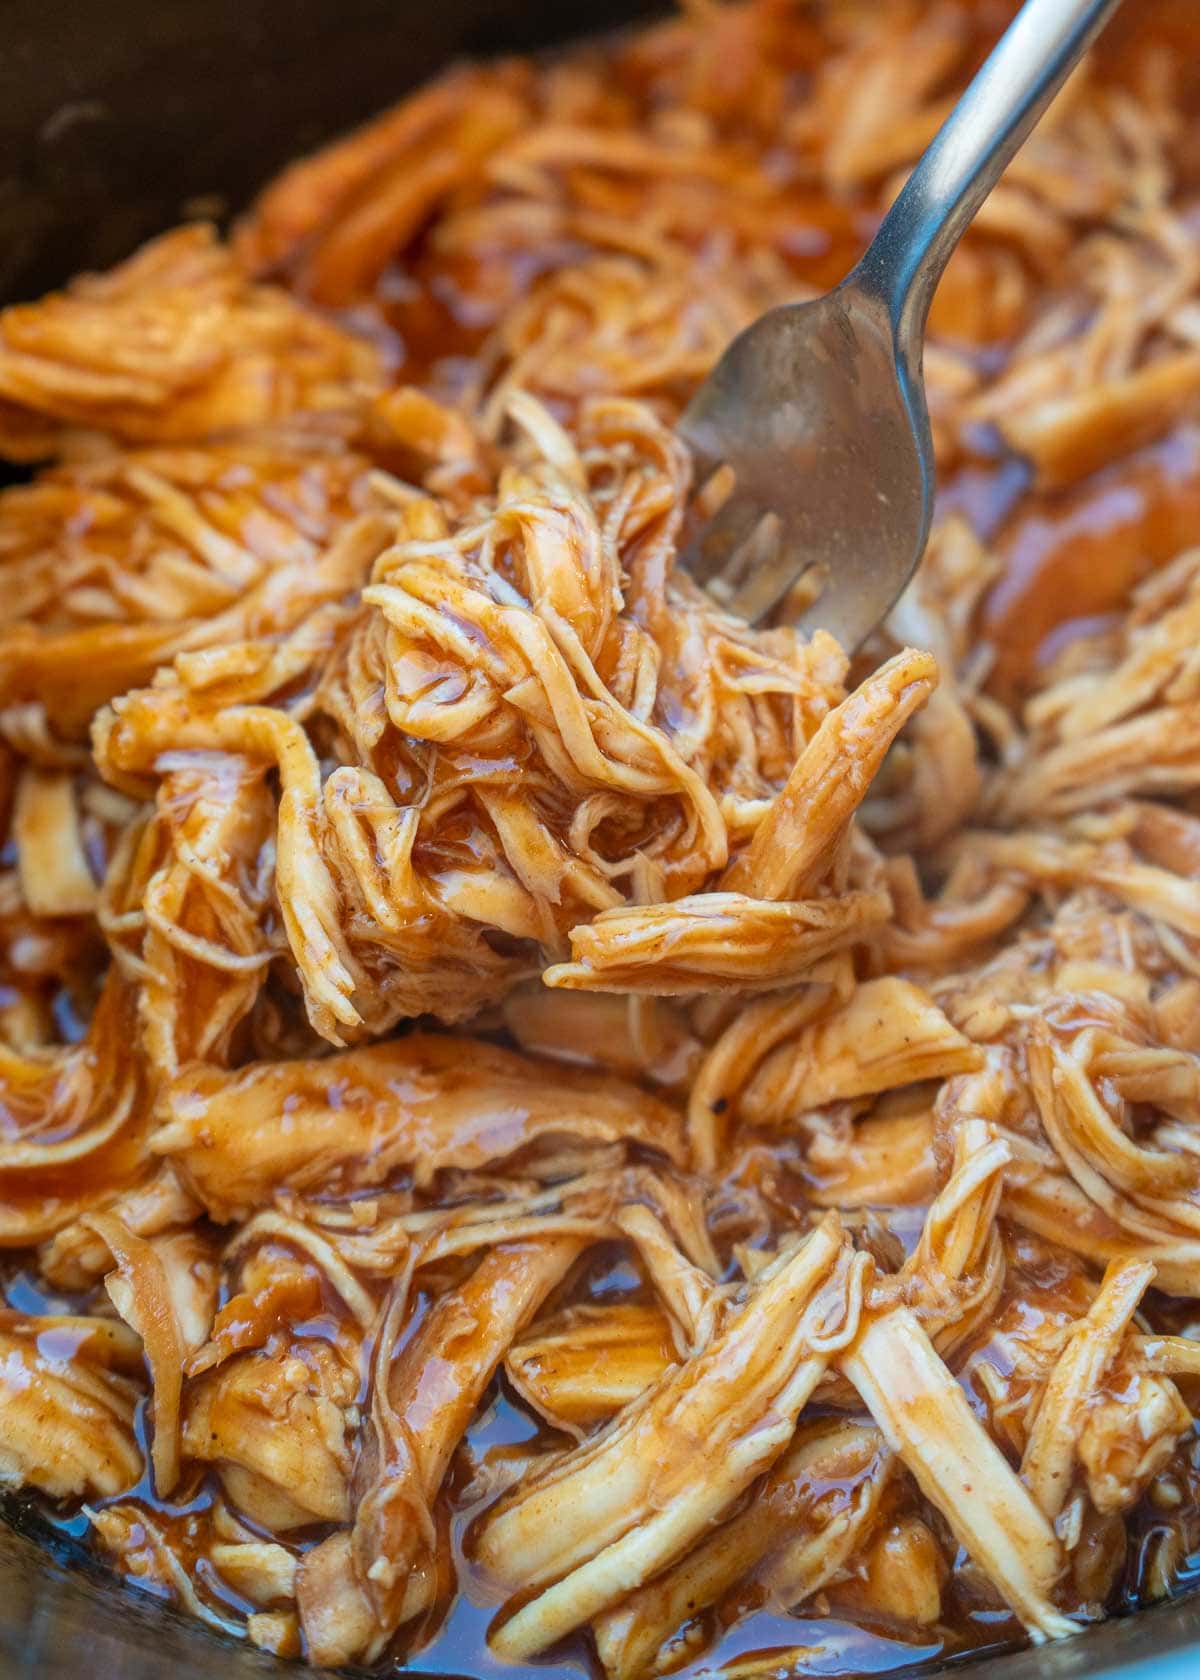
pixel 534 1110
pixel 423 1103
pixel 606 1516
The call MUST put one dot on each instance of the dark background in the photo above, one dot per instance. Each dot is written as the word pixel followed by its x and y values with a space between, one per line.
pixel 116 118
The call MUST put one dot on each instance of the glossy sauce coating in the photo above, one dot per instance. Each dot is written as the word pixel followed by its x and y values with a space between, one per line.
pixel 774 1246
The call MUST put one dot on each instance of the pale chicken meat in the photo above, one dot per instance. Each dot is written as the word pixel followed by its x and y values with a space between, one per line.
pixel 351 1598
pixel 165 1289
pixel 801 1522
pixel 629 1503
pixel 541 1122
pixel 274 1427
pixel 176 345
pixel 70 1388
pixel 928 1423
pixel 1071 1388
pixel 76 1256
pixel 721 940
pixel 888 1035
pixel 1128 1437
pixel 118 565
pixel 581 1368
pixel 75 1119
pixel 421 1103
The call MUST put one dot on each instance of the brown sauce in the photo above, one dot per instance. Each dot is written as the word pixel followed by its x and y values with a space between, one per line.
pixel 1071 557
pixel 1069 560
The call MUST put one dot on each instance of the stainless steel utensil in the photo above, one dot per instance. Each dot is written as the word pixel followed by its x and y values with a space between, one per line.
pixel 819 408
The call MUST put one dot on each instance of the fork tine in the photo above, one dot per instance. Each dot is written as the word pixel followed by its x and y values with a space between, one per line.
pixel 852 601
pixel 704 463
pixel 713 551
pixel 774 569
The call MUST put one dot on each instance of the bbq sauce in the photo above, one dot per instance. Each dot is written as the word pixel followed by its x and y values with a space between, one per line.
pixel 1069 560
pixel 1071 557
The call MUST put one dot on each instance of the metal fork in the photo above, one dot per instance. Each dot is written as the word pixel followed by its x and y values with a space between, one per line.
pixel 818 409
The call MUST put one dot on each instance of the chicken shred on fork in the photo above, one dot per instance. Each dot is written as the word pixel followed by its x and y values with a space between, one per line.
pixel 532 1110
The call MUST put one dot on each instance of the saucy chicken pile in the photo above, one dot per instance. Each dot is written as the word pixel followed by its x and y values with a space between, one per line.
pixel 538 1120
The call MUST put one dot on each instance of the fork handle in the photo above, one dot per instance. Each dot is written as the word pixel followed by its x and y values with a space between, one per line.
pixel 966 157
